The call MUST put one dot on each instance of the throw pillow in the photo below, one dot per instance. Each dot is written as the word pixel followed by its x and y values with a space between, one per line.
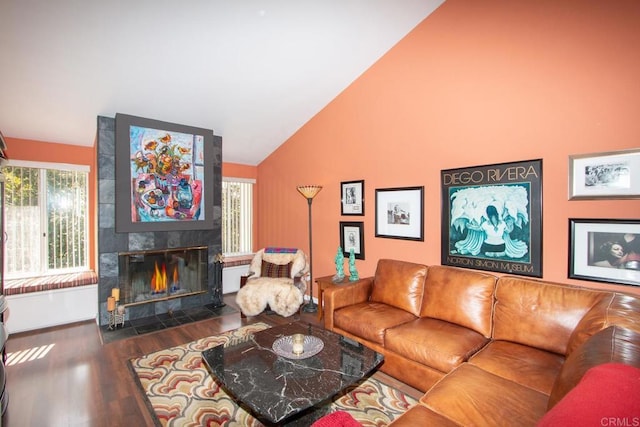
pixel 275 270
pixel 607 395
pixel 337 419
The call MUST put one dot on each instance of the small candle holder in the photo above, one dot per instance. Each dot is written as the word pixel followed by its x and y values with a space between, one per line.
pixel 297 346
pixel 115 310
pixel 116 317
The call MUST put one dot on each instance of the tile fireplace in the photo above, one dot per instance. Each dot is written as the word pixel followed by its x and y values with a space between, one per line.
pixel 152 275
pixel 198 288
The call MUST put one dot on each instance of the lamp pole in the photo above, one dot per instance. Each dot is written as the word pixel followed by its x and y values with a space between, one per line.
pixel 311 307
pixel 309 192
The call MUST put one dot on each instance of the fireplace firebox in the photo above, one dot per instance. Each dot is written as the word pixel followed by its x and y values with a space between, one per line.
pixel 149 276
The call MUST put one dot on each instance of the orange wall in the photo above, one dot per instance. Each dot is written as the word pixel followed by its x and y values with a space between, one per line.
pixel 39 151
pixel 475 83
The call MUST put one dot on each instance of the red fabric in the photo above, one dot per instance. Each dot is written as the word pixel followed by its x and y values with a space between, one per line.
pixel 607 395
pixel 47 283
pixel 337 419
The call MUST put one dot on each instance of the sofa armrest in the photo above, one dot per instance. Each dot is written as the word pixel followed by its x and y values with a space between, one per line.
pixel 336 297
pixel 613 344
pixel 300 281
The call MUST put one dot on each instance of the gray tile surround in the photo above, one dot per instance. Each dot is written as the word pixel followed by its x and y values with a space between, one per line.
pixel 111 243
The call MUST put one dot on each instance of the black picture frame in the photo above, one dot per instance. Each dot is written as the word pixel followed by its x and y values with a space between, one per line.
pixel 352 197
pixel 400 213
pixel 605 250
pixel 138 160
pixel 352 236
pixel 511 193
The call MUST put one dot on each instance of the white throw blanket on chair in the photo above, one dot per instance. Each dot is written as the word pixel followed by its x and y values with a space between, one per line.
pixel 279 293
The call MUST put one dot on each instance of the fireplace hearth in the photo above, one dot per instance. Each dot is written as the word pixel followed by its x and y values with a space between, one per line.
pixel 153 275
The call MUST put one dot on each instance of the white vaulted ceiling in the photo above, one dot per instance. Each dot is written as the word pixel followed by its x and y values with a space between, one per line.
pixel 253 71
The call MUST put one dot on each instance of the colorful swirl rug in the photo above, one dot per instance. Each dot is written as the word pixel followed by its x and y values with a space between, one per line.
pixel 180 391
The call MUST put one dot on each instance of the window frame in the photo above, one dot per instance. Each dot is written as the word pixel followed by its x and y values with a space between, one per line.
pixel 248 218
pixel 43 218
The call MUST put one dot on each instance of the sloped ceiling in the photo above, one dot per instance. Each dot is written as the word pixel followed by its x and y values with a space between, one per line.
pixel 253 71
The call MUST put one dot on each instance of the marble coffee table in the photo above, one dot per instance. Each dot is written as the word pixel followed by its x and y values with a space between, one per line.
pixel 279 387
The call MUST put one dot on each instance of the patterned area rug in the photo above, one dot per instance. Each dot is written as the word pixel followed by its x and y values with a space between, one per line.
pixel 181 392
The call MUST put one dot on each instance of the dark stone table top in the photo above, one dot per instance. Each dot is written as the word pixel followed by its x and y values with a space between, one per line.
pixel 275 387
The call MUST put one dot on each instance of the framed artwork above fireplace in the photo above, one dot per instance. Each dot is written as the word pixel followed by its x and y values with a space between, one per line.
pixel 164 176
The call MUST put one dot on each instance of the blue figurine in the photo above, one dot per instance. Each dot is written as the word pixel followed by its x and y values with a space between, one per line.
pixel 353 273
pixel 339 266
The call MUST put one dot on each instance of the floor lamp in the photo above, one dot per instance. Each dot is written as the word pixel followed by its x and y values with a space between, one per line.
pixel 309 192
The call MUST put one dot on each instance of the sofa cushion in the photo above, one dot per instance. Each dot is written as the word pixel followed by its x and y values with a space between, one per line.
pixel 606 395
pixel 539 314
pixel 459 296
pixel 528 366
pixel 275 270
pixel 420 415
pixel 471 396
pixel 370 320
pixel 399 284
pixel 433 342
pixel 613 344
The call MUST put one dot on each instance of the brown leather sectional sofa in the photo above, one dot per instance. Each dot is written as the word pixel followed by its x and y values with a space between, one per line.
pixel 486 350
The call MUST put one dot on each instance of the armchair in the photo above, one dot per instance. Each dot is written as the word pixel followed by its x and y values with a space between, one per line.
pixel 277 278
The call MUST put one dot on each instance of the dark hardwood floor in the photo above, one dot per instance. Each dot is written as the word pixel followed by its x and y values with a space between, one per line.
pixel 81 382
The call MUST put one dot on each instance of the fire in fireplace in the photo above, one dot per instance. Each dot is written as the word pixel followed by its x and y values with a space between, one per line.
pixel 147 276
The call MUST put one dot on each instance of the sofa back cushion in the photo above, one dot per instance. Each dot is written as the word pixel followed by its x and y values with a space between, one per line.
pixel 611 309
pixel 539 314
pixel 459 296
pixel 613 344
pixel 399 284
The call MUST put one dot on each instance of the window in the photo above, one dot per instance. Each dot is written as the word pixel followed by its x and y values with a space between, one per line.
pixel 46 218
pixel 237 216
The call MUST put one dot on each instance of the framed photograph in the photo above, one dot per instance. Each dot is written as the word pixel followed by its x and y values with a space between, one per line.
pixel 611 175
pixel 352 236
pixel 492 217
pixel 164 176
pixel 605 250
pixel 400 213
pixel 352 197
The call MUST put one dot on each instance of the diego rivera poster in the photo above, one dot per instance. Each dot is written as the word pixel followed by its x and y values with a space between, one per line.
pixel 492 217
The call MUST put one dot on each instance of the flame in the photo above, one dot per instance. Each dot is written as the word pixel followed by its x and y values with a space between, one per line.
pixel 175 276
pixel 159 278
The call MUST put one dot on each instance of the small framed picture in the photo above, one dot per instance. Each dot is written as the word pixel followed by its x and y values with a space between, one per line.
pixel 605 250
pixel 611 175
pixel 399 213
pixel 352 197
pixel 352 237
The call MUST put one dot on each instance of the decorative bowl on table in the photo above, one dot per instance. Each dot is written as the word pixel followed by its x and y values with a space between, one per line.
pixel 283 346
